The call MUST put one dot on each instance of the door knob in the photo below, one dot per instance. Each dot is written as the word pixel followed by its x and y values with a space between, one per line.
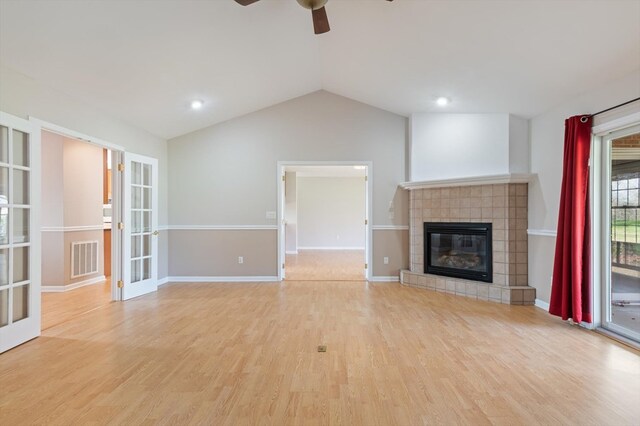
pixel 156 233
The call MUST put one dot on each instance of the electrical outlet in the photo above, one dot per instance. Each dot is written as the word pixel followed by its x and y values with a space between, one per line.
pixel 240 259
pixel 385 260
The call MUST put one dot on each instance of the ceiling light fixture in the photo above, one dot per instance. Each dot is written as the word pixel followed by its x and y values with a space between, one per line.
pixel 196 104
pixel 442 101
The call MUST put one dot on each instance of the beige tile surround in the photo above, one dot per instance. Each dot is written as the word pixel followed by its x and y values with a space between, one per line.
pixel 503 205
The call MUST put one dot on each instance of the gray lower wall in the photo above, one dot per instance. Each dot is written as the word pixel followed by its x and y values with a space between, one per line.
pixel 163 254
pixel 214 253
pixel 394 244
pixel 52 259
pixel 541 254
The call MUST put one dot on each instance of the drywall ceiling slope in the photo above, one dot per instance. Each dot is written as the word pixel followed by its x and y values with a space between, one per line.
pixel 143 61
pixel 521 57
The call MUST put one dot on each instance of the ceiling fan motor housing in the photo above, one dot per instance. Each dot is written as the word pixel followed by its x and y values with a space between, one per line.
pixel 312 4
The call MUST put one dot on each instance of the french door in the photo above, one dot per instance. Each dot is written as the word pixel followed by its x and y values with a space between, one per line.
pixel 140 233
pixel 621 233
pixel 19 231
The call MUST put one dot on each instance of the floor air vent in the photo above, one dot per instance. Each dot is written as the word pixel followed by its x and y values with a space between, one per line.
pixel 84 258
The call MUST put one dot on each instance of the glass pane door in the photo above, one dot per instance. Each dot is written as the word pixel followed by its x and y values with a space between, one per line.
pixel 623 290
pixel 19 245
pixel 141 235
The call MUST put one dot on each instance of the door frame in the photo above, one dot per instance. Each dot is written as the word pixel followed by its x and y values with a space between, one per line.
pixel 601 213
pixel 368 212
pixel 117 153
pixel 599 200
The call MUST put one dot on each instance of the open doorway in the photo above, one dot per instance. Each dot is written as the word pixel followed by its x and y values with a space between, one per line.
pixel 324 229
pixel 76 201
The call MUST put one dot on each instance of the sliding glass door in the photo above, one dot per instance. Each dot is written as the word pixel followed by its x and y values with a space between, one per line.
pixel 621 290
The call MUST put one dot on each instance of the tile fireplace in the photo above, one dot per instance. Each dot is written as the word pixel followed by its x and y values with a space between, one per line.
pixel 470 240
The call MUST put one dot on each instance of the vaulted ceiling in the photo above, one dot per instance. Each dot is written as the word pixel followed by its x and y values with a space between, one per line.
pixel 145 60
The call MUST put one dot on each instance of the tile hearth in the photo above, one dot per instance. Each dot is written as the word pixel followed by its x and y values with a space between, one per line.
pixel 503 205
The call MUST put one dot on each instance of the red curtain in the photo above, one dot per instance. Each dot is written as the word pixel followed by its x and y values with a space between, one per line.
pixel 571 285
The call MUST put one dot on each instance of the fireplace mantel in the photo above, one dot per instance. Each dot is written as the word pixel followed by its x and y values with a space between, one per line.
pixel 470 181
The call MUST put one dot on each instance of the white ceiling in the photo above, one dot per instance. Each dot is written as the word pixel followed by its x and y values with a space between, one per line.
pixel 144 60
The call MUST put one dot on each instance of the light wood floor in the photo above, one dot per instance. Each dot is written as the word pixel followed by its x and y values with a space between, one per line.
pixel 242 353
pixel 325 265
pixel 62 307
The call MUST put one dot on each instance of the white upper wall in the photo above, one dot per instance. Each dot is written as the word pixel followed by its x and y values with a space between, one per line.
pixel 331 212
pixel 227 174
pixel 52 180
pixel 83 183
pixel 445 146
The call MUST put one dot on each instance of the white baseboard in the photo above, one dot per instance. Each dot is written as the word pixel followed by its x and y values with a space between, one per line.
pixel 385 279
pixel 330 248
pixel 63 288
pixel 163 281
pixel 292 252
pixel 542 304
pixel 235 279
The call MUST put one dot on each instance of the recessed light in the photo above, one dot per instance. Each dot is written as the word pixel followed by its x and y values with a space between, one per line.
pixel 196 104
pixel 442 101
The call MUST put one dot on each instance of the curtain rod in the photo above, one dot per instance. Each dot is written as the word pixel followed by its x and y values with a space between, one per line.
pixel 614 107
pixel 584 118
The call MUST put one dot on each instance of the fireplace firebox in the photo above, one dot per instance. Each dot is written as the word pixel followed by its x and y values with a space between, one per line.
pixel 461 250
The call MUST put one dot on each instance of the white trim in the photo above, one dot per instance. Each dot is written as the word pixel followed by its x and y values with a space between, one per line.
pixel 543 232
pixel 291 252
pixel 73 228
pixel 54 128
pixel 234 279
pixel 68 287
pixel 468 181
pixel 385 279
pixel 220 227
pixel 330 248
pixel 163 281
pixel 390 227
pixel 617 124
pixel 163 227
pixel 542 304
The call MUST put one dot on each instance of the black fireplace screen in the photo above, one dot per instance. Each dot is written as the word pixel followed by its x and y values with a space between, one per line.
pixel 460 250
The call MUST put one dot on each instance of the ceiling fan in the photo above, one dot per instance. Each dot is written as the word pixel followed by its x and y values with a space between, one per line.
pixel 318 12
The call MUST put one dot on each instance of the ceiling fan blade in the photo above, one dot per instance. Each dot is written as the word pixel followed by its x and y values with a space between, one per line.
pixel 246 2
pixel 320 21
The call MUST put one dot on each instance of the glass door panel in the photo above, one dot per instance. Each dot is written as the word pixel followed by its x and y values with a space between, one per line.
pixel 141 221
pixel 19 247
pixel 623 287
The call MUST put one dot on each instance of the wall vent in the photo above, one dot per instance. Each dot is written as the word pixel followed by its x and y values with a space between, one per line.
pixel 84 258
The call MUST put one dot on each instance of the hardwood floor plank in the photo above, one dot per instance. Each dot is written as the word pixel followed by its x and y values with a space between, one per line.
pixel 246 353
